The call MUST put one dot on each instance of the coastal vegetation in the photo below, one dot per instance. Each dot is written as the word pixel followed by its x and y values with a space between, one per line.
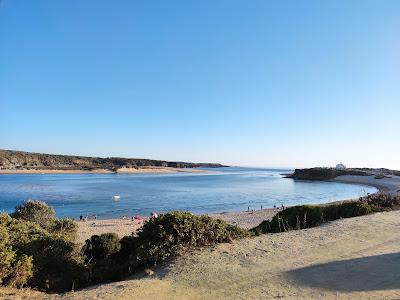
pixel 39 250
pixel 19 160
pixel 307 216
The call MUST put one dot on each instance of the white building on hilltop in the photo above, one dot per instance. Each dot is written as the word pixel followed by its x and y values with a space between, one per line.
pixel 340 166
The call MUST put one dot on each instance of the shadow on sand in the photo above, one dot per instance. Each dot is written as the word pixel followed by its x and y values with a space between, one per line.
pixel 379 272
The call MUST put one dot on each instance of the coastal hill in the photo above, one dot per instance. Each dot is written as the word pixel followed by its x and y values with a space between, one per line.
pixel 331 173
pixel 19 160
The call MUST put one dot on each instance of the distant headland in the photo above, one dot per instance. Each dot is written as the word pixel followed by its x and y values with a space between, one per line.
pixel 383 179
pixel 28 162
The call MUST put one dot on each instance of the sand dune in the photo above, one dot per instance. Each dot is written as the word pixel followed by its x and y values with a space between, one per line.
pixel 354 258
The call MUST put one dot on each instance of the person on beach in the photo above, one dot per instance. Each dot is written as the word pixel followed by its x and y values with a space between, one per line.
pixel 123 218
pixel 80 218
pixel 153 215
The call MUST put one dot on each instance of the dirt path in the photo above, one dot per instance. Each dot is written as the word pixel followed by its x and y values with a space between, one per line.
pixel 349 258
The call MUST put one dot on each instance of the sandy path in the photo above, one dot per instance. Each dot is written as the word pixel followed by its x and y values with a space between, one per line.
pixel 349 258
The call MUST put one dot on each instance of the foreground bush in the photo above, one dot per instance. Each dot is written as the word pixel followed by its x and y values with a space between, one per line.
pixel 173 233
pixel 58 265
pixel 346 210
pixel 44 259
pixel 104 259
pixel 15 270
pixel 64 228
pixel 382 201
pixel 307 216
pixel 160 238
pixel 35 211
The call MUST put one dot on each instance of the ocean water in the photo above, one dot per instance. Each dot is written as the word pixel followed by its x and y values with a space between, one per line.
pixel 220 190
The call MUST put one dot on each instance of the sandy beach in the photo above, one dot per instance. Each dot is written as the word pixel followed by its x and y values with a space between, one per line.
pixel 142 170
pixel 389 185
pixel 127 227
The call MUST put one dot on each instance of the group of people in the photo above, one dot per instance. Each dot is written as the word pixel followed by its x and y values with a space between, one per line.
pixel 86 218
pixel 138 218
pixel 276 207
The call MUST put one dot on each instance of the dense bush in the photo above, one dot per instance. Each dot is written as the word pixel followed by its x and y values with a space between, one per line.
pixel 346 210
pixel 64 228
pixel 35 211
pixel 160 238
pixel 100 247
pixel 104 259
pixel 48 258
pixel 58 265
pixel 21 233
pixel 382 201
pixel 305 216
pixel 171 234
pixel 15 270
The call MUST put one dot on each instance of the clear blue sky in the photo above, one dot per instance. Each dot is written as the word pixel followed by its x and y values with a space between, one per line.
pixel 254 83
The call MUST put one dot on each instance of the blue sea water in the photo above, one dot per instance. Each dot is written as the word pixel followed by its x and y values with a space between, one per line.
pixel 221 190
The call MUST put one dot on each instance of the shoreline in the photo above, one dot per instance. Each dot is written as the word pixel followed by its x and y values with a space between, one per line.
pixel 390 185
pixel 141 170
pixel 243 219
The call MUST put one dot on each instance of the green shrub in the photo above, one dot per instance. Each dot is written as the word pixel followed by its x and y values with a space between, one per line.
pixel 22 271
pixel 14 271
pixel 101 253
pixel 172 233
pixel 382 201
pixel 65 228
pixel 21 233
pixel 346 210
pixel 35 211
pixel 292 218
pixel 58 265
pixel 7 256
pixel 100 247
pixel 53 261
pixel 305 216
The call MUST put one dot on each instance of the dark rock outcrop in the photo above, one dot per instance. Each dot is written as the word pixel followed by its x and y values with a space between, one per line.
pixel 325 173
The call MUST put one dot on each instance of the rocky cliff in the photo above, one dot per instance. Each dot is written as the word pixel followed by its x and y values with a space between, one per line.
pixel 27 160
pixel 330 173
pixel 325 173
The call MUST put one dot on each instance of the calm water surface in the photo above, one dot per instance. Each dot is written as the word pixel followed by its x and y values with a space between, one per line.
pixel 225 189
